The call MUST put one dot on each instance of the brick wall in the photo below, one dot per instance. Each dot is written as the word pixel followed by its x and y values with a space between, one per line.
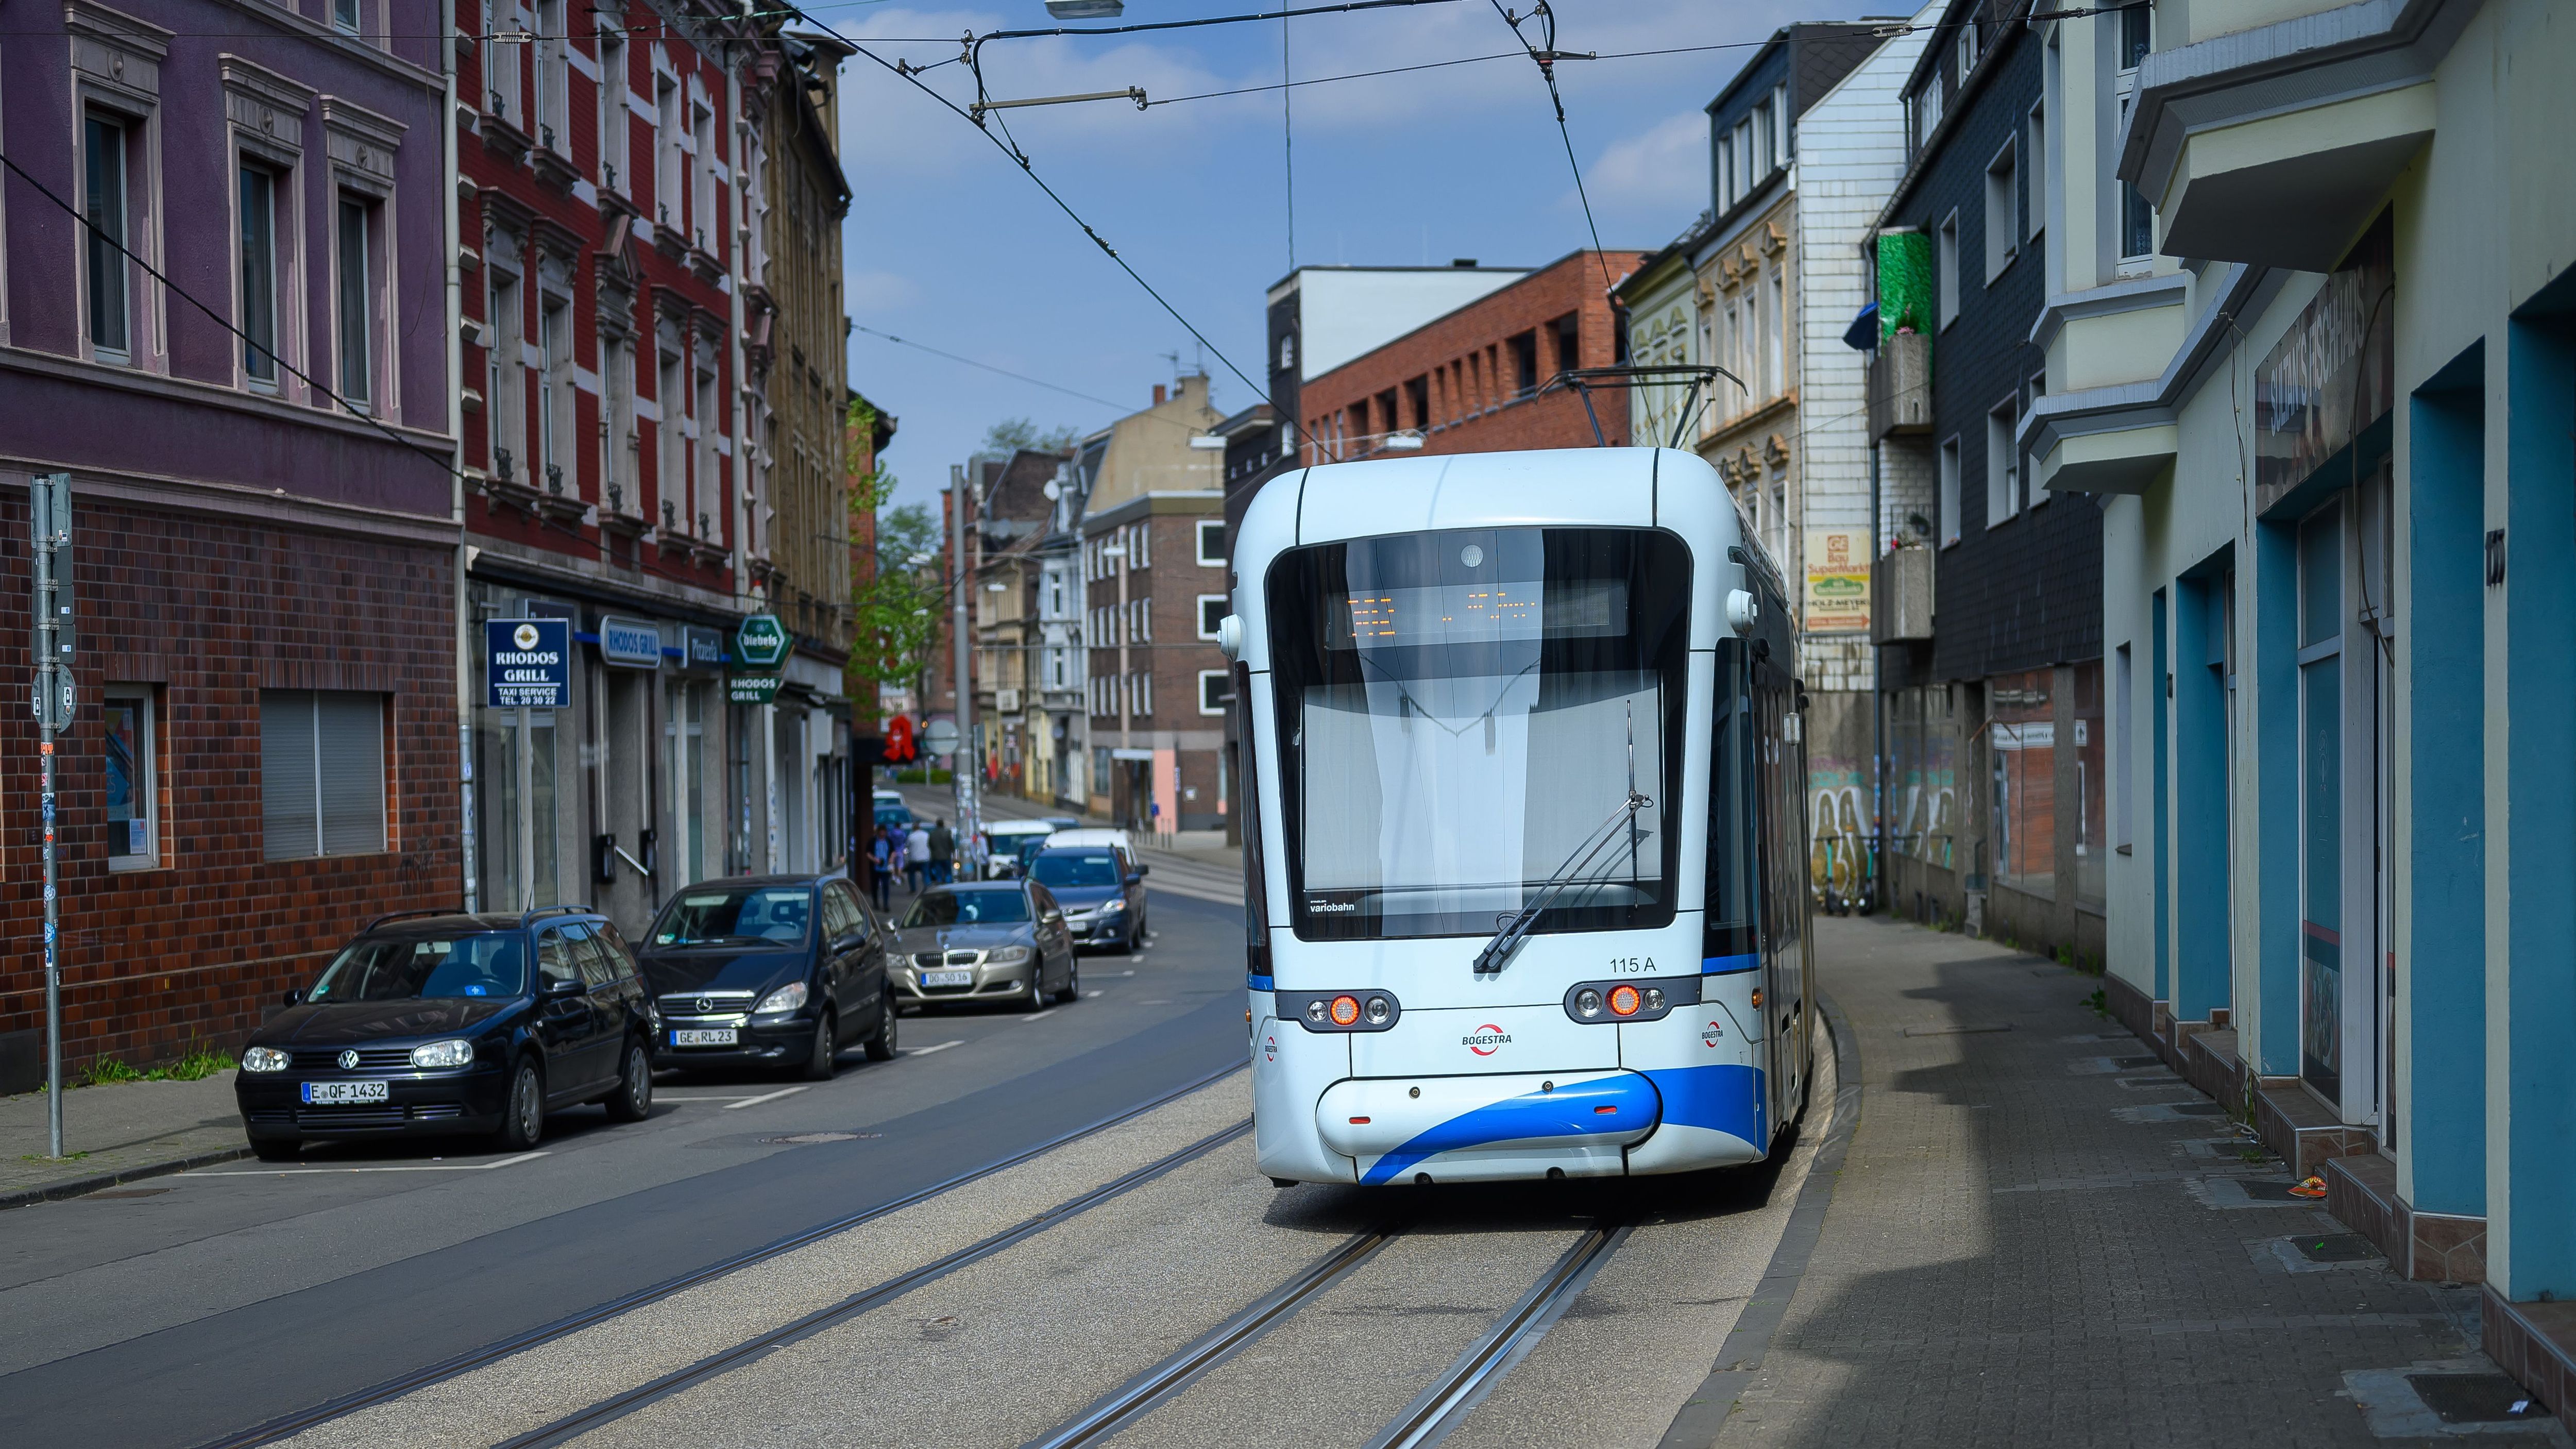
pixel 210 610
pixel 1464 362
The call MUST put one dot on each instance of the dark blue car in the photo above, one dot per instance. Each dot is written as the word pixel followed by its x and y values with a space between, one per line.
pixel 1102 890
pixel 435 1022
pixel 769 971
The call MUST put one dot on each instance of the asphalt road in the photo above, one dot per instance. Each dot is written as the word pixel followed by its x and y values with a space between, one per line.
pixel 214 1301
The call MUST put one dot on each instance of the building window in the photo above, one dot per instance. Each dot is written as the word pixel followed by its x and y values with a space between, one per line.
pixel 322 772
pixel 1775 365
pixel 2003 471
pixel 1946 268
pixel 502 326
pixel 103 206
pixel 1967 60
pixel 617 379
pixel 2003 228
pixel 1287 351
pixel 702 487
pixel 2036 134
pixel 257 199
pixel 357 294
pixel 666 151
pixel 1949 502
pixel 1780 127
pixel 613 123
pixel 1211 542
pixel 131 740
pixel 2137 219
pixel 1524 370
pixel 1216 690
pixel 554 78
pixel 1145 694
pixel 704 227
pixel 344 14
pixel 1212 611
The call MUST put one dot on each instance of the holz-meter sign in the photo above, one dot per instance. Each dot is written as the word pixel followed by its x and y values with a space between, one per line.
pixel 1837 580
pixel 527 663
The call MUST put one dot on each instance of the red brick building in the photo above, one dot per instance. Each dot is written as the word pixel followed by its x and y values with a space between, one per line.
pixel 1469 381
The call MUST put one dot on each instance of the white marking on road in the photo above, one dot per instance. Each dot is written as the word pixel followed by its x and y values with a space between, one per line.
pixel 925 1051
pixel 1039 1015
pixel 1126 973
pixel 666 1097
pixel 1089 994
pixel 756 1101
pixel 415 1167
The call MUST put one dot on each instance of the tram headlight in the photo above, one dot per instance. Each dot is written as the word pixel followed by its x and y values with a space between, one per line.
pixel 1346 1010
pixel 1623 1001
pixel 1315 1012
pixel 1379 1010
pixel 1587 1002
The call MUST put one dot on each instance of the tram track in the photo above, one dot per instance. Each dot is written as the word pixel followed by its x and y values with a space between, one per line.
pixel 560 1430
pixel 1431 1413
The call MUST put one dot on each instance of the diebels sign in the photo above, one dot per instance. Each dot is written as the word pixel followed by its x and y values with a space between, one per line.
pixel 760 642
pixel 527 663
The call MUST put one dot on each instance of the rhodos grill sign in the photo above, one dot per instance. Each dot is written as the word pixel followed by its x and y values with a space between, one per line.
pixel 527 663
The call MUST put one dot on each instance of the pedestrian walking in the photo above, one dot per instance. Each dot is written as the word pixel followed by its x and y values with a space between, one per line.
pixel 943 852
pixel 881 879
pixel 916 856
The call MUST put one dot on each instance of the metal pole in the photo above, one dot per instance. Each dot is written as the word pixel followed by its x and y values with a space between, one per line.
pixel 527 763
pixel 961 775
pixel 49 496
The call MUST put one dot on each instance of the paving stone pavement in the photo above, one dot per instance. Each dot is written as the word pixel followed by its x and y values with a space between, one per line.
pixel 122 1130
pixel 2013 1255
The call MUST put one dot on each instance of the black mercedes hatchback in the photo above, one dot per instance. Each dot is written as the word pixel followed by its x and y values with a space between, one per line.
pixel 769 971
pixel 435 1022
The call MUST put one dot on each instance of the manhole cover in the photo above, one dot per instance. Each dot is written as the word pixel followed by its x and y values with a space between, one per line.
pixel 2334 1247
pixel 799 1139
pixel 2475 1398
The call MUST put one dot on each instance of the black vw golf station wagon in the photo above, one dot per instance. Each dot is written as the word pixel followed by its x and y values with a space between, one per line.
pixel 439 1022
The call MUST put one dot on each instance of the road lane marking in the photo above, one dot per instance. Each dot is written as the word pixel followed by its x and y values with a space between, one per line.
pixel 925 1051
pixel 1039 1015
pixel 666 1097
pixel 756 1101
pixel 1090 994
pixel 414 1167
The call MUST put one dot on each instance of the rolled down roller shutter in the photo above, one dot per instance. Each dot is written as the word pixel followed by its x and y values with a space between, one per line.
pixel 322 772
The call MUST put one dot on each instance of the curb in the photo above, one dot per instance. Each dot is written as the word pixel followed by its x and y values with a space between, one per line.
pixel 80 1186
pixel 1703 1415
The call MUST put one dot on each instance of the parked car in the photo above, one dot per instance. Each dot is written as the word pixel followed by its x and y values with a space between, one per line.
pixel 1008 844
pixel 986 940
pixel 770 971
pixel 1102 888
pixel 1075 833
pixel 434 1022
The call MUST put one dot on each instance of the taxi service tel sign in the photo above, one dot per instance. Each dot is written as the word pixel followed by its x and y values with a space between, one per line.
pixel 527 663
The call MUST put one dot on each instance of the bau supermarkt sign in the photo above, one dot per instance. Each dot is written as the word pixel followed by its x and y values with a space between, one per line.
pixel 760 646
pixel 527 663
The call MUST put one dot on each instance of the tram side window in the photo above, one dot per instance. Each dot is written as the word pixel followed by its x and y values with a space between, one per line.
pixel 1731 818
pixel 1256 888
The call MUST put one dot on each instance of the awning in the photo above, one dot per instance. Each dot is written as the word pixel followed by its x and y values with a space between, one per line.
pixel 1862 334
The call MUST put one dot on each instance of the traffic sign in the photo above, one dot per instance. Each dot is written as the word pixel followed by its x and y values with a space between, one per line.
pixel 55 698
pixel 527 663
pixel 939 737
pixel 760 642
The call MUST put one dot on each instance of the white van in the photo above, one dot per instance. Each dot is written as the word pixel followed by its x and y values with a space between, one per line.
pixel 1092 836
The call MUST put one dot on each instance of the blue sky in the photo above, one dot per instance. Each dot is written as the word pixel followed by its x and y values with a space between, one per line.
pixel 949 245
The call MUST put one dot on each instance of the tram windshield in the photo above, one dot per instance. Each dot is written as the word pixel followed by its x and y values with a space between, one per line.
pixel 1459 710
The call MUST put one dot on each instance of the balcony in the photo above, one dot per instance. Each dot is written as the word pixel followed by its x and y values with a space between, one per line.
pixel 1900 386
pixel 2273 146
pixel 1900 583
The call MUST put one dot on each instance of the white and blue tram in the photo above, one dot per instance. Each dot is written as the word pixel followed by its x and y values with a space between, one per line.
pixel 1525 838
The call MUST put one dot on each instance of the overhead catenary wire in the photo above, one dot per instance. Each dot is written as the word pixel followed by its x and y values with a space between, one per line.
pixel 1546 59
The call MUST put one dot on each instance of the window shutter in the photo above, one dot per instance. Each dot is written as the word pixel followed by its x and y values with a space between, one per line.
pixel 286 797
pixel 350 749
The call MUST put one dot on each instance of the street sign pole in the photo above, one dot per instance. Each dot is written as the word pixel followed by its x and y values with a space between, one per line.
pixel 49 498
pixel 961 776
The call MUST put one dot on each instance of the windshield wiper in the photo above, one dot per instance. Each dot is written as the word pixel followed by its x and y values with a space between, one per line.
pixel 1498 951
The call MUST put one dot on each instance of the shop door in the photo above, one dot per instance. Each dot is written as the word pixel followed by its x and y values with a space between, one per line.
pixel 2322 1027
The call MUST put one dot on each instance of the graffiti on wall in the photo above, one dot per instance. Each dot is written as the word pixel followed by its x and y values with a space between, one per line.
pixel 1838 862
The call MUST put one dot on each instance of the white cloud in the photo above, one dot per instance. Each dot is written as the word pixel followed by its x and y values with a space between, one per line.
pixel 879 292
pixel 1662 168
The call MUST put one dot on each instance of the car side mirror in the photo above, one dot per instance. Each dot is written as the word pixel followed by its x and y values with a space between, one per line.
pixel 557 988
pixel 1136 876
pixel 1143 870
pixel 294 995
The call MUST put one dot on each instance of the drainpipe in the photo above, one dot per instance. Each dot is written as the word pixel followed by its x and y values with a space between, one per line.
pixel 1877 711
pixel 466 672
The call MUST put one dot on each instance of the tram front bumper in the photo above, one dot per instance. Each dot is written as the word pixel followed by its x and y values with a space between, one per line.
pixel 1486 1127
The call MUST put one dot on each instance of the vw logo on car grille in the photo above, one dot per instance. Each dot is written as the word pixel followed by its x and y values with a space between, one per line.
pixel 348 1061
pixel 705 1005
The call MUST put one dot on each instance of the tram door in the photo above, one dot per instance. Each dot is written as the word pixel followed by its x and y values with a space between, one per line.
pixel 1780 786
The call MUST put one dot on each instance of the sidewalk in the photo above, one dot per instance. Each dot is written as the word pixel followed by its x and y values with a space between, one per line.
pixel 2041 1234
pixel 123 1130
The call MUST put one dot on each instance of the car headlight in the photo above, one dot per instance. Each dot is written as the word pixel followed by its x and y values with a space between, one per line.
pixel 1113 906
pixel 263 1059
pixel 785 998
pixel 1009 955
pixel 443 1054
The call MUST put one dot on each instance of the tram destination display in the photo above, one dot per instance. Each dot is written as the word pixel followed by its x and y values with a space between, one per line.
pixel 1476 613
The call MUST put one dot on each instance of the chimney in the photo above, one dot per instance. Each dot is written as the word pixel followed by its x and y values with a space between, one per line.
pixel 1158 394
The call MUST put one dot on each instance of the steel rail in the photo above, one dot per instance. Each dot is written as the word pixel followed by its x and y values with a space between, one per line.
pixel 618 1406
pixel 1434 1412
pixel 297 1422
pixel 1124 1405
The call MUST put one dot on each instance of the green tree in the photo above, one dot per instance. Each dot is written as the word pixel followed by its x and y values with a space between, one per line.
pixel 895 607
pixel 1011 434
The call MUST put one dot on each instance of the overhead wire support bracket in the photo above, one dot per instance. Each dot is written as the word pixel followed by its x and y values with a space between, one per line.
pixel 1581 381
pixel 977 109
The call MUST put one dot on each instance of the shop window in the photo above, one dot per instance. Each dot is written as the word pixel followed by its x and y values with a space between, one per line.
pixel 322 772
pixel 130 741
pixel 2022 740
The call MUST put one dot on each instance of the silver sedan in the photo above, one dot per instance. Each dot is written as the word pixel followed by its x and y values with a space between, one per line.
pixel 984 941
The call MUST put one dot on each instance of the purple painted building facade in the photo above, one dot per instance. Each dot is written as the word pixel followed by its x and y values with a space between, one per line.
pixel 265 540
